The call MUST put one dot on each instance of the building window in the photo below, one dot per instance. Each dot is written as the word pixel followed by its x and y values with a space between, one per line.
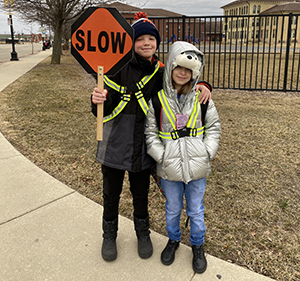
pixel 275 22
pixel 268 21
pixel 256 34
pixel 257 22
pixel 254 9
pixel 247 10
pixel 274 33
pixel 294 20
pixel 262 21
pixel 267 34
pixel 258 9
pixel 293 34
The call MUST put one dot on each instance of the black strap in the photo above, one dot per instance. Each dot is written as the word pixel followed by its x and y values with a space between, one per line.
pixel 157 108
pixel 203 111
pixel 132 88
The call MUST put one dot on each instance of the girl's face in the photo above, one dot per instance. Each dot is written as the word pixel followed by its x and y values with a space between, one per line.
pixel 181 76
pixel 145 46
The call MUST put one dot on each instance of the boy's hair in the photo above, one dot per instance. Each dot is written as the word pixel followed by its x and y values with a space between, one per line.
pixel 143 25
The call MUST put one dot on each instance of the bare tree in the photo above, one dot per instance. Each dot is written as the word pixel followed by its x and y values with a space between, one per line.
pixel 53 13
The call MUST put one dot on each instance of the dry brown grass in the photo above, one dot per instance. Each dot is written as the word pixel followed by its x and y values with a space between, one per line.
pixel 252 199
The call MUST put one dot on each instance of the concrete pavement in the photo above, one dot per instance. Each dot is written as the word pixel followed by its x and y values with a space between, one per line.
pixel 48 231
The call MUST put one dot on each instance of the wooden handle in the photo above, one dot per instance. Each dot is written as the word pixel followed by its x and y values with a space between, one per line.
pixel 100 105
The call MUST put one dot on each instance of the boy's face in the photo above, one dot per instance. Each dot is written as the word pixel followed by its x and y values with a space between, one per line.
pixel 145 46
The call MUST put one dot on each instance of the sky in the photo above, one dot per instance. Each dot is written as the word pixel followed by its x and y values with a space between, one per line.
pixel 194 8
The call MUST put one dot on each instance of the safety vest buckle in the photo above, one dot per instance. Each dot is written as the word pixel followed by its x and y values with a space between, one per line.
pixel 123 89
pixel 140 85
pixel 174 135
pixel 193 132
pixel 139 95
pixel 184 132
pixel 125 97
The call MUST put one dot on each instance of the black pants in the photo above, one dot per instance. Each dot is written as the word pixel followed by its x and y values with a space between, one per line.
pixel 112 188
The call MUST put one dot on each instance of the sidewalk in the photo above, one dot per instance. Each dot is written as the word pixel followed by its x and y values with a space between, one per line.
pixel 50 232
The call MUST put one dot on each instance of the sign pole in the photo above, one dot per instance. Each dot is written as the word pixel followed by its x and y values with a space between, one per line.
pixel 99 45
pixel 100 105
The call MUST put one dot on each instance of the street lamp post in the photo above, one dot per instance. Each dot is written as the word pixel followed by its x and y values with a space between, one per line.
pixel 14 55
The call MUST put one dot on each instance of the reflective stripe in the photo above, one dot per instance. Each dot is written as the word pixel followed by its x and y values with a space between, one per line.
pixel 146 79
pixel 194 115
pixel 193 132
pixel 113 85
pixel 126 97
pixel 167 109
pixel 143 104
pixel 119 108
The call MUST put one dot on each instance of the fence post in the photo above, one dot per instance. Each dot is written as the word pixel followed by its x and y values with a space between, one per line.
pixel 183 28
pixel 287 54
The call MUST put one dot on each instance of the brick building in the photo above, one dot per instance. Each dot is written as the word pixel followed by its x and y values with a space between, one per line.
pixel 255 20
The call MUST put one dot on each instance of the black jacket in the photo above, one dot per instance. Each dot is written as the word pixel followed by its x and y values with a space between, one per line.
pixel 123 146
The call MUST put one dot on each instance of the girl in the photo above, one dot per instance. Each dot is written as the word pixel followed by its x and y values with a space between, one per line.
pixel 181 149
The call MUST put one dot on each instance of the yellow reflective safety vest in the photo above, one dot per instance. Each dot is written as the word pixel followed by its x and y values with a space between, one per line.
pixel 126 94
pixel 190 129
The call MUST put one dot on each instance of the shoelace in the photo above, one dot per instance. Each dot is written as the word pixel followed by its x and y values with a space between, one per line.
pixel 172 244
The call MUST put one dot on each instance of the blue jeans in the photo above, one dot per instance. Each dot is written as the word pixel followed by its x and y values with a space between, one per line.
pixel 194 192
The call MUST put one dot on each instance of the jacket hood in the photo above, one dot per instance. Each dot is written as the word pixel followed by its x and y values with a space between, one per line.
pixel 177 53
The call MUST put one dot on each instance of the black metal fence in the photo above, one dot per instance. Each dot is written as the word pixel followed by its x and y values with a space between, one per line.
pixel 241 52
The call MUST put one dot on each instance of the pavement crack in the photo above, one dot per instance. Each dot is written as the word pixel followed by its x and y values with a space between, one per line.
pixel 37 208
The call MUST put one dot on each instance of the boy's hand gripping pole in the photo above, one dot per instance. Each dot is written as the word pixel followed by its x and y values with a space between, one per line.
pixel 100 105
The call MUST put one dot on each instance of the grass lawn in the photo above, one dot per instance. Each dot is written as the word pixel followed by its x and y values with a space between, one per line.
pixel 252 200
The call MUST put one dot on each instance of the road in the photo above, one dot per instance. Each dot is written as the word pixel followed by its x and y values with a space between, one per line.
pixel 21 49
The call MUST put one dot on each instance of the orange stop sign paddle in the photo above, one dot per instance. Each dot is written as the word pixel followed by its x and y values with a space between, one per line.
pixel 102 43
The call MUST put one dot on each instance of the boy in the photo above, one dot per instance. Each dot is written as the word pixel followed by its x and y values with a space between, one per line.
pixel 123 147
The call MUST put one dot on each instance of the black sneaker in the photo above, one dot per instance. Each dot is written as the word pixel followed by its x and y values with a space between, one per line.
pixel 168 254
pixel 199 260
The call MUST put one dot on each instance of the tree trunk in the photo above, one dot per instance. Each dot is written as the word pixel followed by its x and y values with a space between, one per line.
pixel 56 51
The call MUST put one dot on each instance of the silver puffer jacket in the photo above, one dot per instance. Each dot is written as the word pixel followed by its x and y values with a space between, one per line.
pixel 186 158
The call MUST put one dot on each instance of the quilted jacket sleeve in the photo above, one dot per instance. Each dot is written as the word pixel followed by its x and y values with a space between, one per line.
pixel 213 130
